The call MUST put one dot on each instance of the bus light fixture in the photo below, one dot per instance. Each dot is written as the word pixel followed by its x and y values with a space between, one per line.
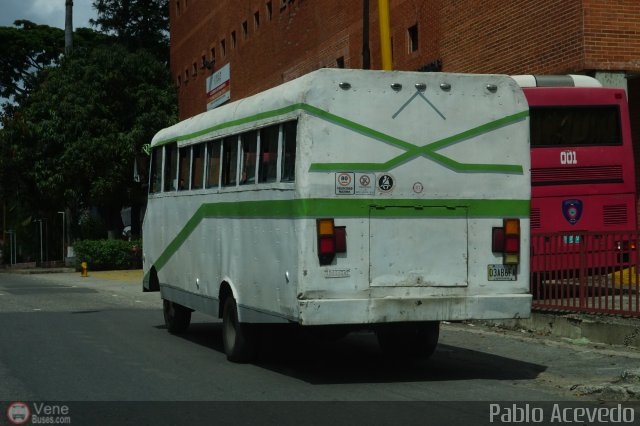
pixel 331 240
pixel 506 240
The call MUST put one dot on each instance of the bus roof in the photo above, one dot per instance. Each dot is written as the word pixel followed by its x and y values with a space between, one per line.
pixel 283 103
pixel 556 81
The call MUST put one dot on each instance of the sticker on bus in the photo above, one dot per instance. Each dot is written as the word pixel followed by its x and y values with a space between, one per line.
pixel 345 184
pixel 571 239
pixel 502 272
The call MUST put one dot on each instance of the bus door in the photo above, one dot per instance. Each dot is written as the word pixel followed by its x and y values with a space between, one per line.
pixel 433 237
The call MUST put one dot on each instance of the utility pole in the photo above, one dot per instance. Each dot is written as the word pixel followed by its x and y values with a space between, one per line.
pixel 68 27
pixel 385 34
pixel 366 53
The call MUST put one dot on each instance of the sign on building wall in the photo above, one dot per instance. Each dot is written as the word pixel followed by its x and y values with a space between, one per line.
pixel 218 87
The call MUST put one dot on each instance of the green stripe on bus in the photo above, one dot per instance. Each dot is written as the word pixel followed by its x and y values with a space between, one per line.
pixel 329 207
pixel 429 152
pixel 413 151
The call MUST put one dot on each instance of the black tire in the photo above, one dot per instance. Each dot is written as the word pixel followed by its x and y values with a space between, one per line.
pixel 176 317
pixel 238 338
pixel 409 340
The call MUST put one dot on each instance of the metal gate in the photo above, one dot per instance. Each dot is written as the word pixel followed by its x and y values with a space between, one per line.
pixel 595 272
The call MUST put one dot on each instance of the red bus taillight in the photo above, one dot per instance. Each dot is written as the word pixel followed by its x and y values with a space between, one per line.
pixel 506 240
pixel 331 240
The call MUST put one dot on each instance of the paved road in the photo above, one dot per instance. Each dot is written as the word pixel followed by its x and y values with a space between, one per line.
pixel 67 338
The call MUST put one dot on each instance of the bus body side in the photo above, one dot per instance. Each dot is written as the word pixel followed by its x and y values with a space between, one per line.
pixel 410 205
pixel 583 178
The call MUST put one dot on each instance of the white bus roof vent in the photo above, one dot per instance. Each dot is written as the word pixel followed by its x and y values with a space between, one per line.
pixel 556 81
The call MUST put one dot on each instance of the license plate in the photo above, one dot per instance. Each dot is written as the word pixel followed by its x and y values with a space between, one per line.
pixel 502 272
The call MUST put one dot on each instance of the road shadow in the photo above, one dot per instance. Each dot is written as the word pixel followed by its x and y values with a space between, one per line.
pixel 357 358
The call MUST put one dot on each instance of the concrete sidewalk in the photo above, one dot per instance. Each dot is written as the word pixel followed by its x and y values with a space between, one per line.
pixel 578 328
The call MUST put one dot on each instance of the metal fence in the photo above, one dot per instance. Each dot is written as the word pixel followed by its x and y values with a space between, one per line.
pixel 595 272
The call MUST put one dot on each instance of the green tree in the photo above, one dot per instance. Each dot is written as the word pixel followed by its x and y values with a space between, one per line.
pixel 83 125
pixel 138 24
pixel 26 49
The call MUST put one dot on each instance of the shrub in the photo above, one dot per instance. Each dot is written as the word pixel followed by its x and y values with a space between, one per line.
pixel 107 254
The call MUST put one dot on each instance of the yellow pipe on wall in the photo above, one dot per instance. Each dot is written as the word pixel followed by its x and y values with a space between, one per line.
pixel 385 34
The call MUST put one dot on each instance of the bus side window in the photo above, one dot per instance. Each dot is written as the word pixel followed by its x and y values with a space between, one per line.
pixel 248 161
pixel 213 164
pixel 170 167
pixel 268 167
pixel 196 166
pixel 184 168
pixel 288 169
pixel 229 160
pixel 155 180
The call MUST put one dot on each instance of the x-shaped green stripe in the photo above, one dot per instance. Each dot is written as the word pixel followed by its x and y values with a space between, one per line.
pixel 412 151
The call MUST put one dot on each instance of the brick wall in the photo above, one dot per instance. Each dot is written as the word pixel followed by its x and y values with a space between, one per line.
pixel 483 36
pixel 512 37
pixel 612 34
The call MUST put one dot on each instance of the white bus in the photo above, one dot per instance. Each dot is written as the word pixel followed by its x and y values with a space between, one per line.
pixel 388 201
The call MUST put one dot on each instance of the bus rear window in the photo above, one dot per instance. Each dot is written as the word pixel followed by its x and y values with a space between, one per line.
pixel 575 126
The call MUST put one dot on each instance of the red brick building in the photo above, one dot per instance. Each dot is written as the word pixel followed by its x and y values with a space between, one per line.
pixel 267 42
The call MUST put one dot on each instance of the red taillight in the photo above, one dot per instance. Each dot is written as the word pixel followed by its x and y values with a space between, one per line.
pixel 506 240
pixel 497 241
pixel 327 246
pixel 331 240
pixel 341 239
pixel 512 244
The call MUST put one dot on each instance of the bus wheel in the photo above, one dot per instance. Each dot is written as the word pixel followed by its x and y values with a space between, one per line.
pixel 417 340
pixel 238 338
pixel 176 317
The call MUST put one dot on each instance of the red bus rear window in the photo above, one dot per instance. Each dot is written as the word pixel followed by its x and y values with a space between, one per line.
pixel 566 126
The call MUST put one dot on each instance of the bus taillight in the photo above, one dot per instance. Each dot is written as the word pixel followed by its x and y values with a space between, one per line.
pixel 506 240
pixel 331 240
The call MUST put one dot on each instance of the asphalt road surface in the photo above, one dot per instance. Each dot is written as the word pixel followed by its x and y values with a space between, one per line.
pixel 100 348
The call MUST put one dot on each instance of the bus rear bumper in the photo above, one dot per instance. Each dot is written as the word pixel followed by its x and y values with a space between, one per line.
pixel 383 310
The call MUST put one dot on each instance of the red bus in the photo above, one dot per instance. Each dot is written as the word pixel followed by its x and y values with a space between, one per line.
pixel 583 195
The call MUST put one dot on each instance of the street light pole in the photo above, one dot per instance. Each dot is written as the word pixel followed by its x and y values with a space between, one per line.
pixel 68 27
pixel 12 246
pixel 41 248
pixel 41 251
pixel 63 234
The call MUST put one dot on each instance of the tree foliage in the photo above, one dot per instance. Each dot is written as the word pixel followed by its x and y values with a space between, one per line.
pixel 86 122
pixel 26 49
pixel 138 24
pixel 75 124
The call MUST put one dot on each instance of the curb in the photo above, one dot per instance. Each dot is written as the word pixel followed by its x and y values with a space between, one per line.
pixel 579 328
pixel 29 271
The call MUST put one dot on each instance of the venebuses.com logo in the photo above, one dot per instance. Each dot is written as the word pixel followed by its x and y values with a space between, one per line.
pixel 18 413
